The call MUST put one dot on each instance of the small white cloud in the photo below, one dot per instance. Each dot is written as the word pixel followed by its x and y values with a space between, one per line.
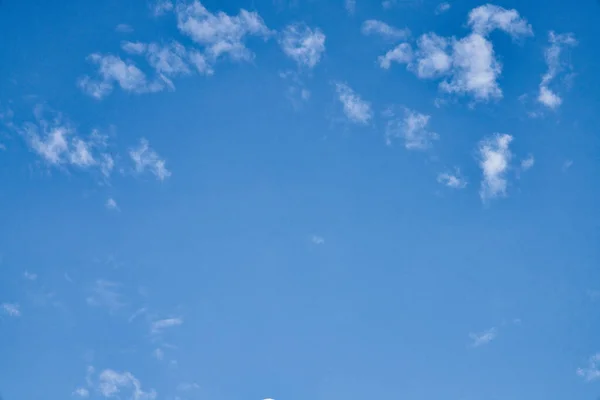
pixel 111 204
pixel 123 28
pixel 432 57
pixel 219 33
pixel 411 126
pixel 318 240
pixel 11 309
pixel 30 276
pixel 527 163
pixel 112 383
pixel 592 371
pixel 487 18
pixel 356 109
pixel 81 392
pixel 483 338
pixel 161 7
pixel 401 54
pixel 452 180
pixel 158 326
pixel 350 6
pixel 558 44
pixel 146 158
pixel 442 8
pixel 105 294
pixel 303 44
pixel 158 354
pixel 134 47
pixel 375 27
pixel 494 160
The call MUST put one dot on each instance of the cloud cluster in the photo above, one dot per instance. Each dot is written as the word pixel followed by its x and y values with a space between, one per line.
pixel 303 44
pixel 356 109
pixel 412 127
pixel 494 160
pixel 558 44
pixel 146 159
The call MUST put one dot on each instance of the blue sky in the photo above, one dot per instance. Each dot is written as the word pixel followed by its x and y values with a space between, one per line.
pixel 299 200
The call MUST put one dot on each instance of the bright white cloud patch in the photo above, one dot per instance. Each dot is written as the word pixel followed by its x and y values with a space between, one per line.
pixel 442 8
pixel 412 127
pixel 432 57
pixel 220 34
pixel 145 158
pixel 487 18
pixel 11 309
pixel 558 44
pixel 401 54
pixel 380 28
pixel 113 70
pixel 160 325
pixel 122 385
pixel 356 109
pixel 453 180
pixel 483 338
pixel 592 371
pixel 303 44
pixel 494 160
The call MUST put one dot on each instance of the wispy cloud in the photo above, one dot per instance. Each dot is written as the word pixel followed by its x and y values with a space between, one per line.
pixel 350 6
pixel 161 7
pixel 158 354
pixel 105 294
pixel 442 8
pixel 592 371
pixel 356 109
pixel 158 326
pixel 303 44
pixel 123 28
pixel 558 44
pixel 113 383
pixel 494 160
pixel 453 180
pixel 11 309
pixel 30 276
pixel 527 162
pixel 318 240
pixel 81 392
pixel 483 338
pixel 111 204
pixel 145 158
pixel 411 126
pixel 380 28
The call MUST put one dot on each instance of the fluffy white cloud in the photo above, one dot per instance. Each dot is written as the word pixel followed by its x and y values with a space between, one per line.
pixel 356 109
pixel 452 180
pixel 11 309
pixel 146 158
pixel 113 383
pixel 219 33
pixel 487 18
pixel 111 70
pixel 558 43
pixel 483 338
pixel 494 160
pixel 592 371
pixel 442 8
pixel 160 325
pixel 303 44
pixel 411 126
pixel 432 58
pixel 401 54
pixel 375 27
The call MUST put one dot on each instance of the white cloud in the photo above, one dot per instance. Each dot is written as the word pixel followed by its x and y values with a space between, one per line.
pixel 11 309
pixel 112 384
pixel 432 58
pixel 592 371
pixel 475 69
pixel 158 354
pixel 219 33
pixel 161 7
pixel 411 126
pixel 401 54
pixel 483 338
pixel 452 180
pixel 111 70
pixel 105 294
pixel 111 204
pixel 146 158
pixel 123 28
pixel 158 326
pixel 30 276
pixel 81 392
pixel 442 8
pixel 558 43
pixel 375 27
pixel 134 47
pixel 355 108
pixel 303 44
pixel 494 159
pixel 487 18
pixel 318 240
pixel 350 6
pixel 527 163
